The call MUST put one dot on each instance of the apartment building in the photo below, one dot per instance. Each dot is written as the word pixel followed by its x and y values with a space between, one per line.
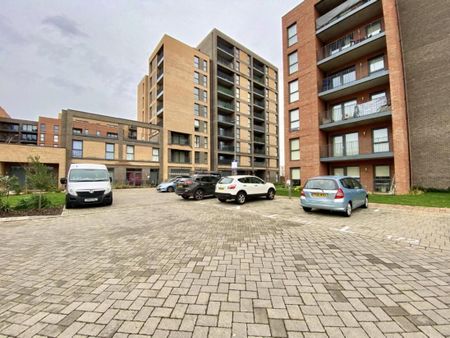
pixel 217 104
pixel 345 101
pixel 175 96
pixel 244 108
pixel 49 131
pixel 129 149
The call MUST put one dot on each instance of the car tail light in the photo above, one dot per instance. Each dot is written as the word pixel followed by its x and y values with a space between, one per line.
pixel 302 194
pixel 339 194
pixel 232 186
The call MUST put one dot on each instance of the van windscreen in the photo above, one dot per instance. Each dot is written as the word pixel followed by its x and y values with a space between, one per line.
pixel 88 175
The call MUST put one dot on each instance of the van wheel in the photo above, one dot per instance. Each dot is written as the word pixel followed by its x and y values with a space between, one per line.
pixel 241 197
pixel 198 195
pixel 348 209
pixel 270 194
pixel 366 203
pixel 306 209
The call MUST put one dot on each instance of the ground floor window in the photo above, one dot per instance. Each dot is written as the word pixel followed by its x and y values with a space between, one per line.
pixel 382 178
pixel 352 171
pixel 134 176
pixel 295 177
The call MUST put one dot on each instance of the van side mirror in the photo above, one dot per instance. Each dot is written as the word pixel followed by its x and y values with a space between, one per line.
pixel 110 179
pixel 63 180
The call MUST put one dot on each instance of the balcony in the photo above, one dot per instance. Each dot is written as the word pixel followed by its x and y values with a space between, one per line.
pixel 361 114
pixel 351 13
pixel 258 78
pixel 363 41
pixel 259 128
pixel 259 92
pixel 260 140
pixel 225 134
pixel 225 161
pixel 228 78
pixel 259 68
pixel 224 91
pixel 259 103
pixel 226 148
pixel 223 47
pixel 350 151
pixel 225 120
pixel 159 90
pixel 259 163
pixel 259 116
pixel 159 108
pixel 259 151
pixel 225 106
pixel 347 83
pixel 224 62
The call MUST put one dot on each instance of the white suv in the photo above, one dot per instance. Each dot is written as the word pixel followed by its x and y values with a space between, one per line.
pixel 239 188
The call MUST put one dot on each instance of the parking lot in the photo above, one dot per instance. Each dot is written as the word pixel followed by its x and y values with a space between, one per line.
pixel 156 265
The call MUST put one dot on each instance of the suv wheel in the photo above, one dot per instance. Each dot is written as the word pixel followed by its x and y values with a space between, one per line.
pixel 270 194
pixel 241 197
pixel 198 195
pixel 348 210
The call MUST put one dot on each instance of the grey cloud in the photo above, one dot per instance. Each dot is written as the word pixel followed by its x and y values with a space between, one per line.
pixel 66 84
pixel 8 34
pixel 64 25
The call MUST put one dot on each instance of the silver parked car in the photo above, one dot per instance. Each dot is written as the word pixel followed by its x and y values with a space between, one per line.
pixel 336 193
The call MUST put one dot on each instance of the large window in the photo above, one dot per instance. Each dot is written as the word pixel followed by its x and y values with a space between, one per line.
pixel 109 151
pixel 179 138
pixel 295 149
pixel 292 34
pixel 196 78
pixel 347 171
pixel 196 62
pixel 382 179
pixel 376 64
pixel 295 176
pixel 341 78
pixel 294 119
pixel 343 110
pixel 380 140
pixel 293 91
pixel 77 149
pixel 130 153
pixel 373 29
pixel 196 94
pixel 293 62
pixel 345 145
pixel 204 65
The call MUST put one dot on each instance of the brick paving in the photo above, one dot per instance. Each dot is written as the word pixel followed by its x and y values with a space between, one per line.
pixel 156 265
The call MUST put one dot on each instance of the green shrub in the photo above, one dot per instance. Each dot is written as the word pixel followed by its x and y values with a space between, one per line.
pixel 32 202
pixel 5 206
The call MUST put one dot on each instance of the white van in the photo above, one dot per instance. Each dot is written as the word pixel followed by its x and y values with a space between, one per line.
pixel 88 184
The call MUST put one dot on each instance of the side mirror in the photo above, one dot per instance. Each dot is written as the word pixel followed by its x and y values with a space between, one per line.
pixel 63 180
pixel 110 179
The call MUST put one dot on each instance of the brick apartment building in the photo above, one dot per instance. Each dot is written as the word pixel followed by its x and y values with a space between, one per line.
pixel 130 149
pixel 216 103
pixel 347 111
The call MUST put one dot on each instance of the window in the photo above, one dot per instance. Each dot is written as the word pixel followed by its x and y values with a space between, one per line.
pixel 204 65
pixel 205 96
pixel 249 148
pixel 55 138
pixel 340 79
pixel 292 34
pixel 196 62
pixel 293 62
pixel 205 142
pixel 238 120
pixel 196 109
pixel 238 147
pixel 77 149
pixel 196 94
pixel 376 64
pixel 197 141
pixel 295 176
pixel 295 149
pixel 345 145
pixel 42 137
pixel 155 155
pixel 238 93
pixel 77 131
pixel 42 127
pixel 343 110
pixel 197 125
pixel 130 153
pixel 98 133
pixel 339 171
pixel 109 151
pixel 111 135
pixel 86 132
pixel 238 133
pixel 293 91
pixel 382 179
pixel 204 80
pixel 179 138
pixel 55 129
pixel 196 78
pixel 373 29
pixel 380 140
pixel 353 172
pixel 294 119
pixel 203 111
pixel 379 97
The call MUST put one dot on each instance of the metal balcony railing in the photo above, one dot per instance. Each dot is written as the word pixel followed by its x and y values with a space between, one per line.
pixel 258 128
pixel 346 77
pixel 352 148
pixel 260 116
pixel 223 61
pixel 225 76
pixel 225 90
pixel 259 151
pixel 356 37
pixel 258 78
pixel 225 48
pixel 258 91
pixel 225 105
pixel 348 113
pixel 259 163
pixel 259 68
pixel 225 133
pixel 259 139
pixel 228 148
pixel 225 119
pixel 259 103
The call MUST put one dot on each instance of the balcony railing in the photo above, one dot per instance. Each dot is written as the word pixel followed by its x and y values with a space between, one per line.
pixel 352 148
pixel 228 148
pixel 259 163
pixel 259 128
pixel 224 133
pixel 225 119
pixel 259 79
pixel 346 77
pixel 258 91
pixel 225 90
pixel 258 68
pixel 225 48
pixel 225 62
pixel 259 139
pixel 352 112
pixel 259 103
pixel 259 151
pixel 225 76
pixel 260 116
pixel 338 12
pixel 225 161
pixel 225 105
pixel 354 38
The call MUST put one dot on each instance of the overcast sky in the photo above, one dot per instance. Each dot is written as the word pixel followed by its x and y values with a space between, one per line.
pixel 90 54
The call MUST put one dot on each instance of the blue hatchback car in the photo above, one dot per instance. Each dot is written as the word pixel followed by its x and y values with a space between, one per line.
pixel 170 185
pixel 335 193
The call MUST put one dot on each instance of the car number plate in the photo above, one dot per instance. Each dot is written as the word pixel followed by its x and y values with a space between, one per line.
pixel 220 188
pixel 91 199
pixel 319 195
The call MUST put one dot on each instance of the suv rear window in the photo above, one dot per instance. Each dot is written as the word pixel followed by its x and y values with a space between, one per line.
pixel 225 180
pixel 322 184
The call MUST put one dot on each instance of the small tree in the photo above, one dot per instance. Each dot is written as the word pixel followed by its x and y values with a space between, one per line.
pixel 39 177
pixel 8 184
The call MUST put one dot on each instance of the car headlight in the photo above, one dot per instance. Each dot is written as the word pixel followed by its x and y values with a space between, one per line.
pixel 107 190
pixel 72 192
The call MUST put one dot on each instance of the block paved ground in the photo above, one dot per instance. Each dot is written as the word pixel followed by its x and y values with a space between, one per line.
pixel 156 265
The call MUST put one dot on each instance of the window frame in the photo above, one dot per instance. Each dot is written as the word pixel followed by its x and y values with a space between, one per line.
pixel 294 121
pixel 292 35
pixel 293 95
pixel 109 152
pixel 130 155
pixel 294 64
pixel 296 151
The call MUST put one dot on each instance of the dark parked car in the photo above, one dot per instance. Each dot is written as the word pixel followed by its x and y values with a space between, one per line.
pixel 197 186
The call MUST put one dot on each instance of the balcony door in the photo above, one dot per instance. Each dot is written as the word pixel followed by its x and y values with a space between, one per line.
pixel 351 144
pixel 343 78
pixel 344 110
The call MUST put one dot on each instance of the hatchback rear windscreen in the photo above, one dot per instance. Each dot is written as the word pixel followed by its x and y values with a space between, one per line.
pixel 321 184
pixel 225 180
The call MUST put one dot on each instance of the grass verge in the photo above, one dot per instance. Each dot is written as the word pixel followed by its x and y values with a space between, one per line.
pixel 427 199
